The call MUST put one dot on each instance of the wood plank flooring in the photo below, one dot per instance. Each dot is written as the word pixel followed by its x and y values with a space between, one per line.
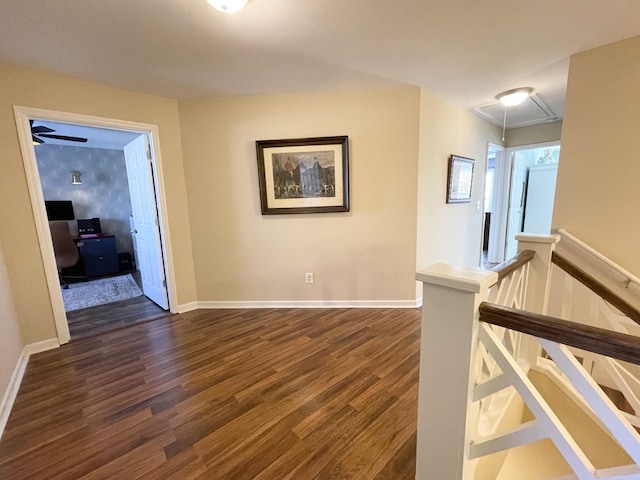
pixel 110 316
pixel 104 318
pixel 224 394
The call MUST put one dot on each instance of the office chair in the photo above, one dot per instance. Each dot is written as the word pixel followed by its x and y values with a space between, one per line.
pixel 64 248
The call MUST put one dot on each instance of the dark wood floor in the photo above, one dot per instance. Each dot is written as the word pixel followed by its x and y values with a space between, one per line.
pixel 224 394
pixel 104 318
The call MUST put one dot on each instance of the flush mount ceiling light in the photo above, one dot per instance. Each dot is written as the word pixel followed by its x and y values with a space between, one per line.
pixel 228 6
pixel 511 98
pixel 514 97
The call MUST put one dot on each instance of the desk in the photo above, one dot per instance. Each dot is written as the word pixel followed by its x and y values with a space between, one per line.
pixel 98 254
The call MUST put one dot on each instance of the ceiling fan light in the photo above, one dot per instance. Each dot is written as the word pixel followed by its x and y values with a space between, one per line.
pixel 514 97
pixel 228 6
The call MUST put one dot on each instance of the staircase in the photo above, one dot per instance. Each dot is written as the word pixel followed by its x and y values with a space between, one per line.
pixel 542 460
pixel 529 404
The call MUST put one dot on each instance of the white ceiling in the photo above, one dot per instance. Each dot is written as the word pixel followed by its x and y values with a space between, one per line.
pixel 464 50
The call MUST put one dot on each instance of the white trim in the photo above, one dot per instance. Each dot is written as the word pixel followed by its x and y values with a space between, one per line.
pixel 187 307
pixel 10 394
pixel 22 117
pixel 496 208
pixel 42 346
pixel 532 146
pixel 536 238
pixel 597 254
pixel 471 280
pixel 312 304
pixel 40 218
pixel 499 207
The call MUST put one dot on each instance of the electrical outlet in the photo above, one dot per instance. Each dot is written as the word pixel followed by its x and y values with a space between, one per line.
pixel 308 277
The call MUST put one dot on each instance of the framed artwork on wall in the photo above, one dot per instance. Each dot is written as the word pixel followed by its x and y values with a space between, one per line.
pixel 459 179
pixel 303 175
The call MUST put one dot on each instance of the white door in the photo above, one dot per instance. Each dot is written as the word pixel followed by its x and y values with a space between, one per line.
pixel 146 231
pixel 516 203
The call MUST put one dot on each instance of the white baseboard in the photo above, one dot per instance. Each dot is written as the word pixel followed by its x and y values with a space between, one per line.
pixel 42 346
pixel 314 304
pixel 11 392
pixel 187 307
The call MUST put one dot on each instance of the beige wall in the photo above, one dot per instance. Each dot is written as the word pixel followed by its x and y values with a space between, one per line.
pixel 11 344
pixel 450 233
pixel 30 88
pixel 541 133
pixel 365 255
pixel 597 191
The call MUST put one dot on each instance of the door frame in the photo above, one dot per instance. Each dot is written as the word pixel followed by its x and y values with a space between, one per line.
pixel 505 189
pixel 497 207
pixel 22 116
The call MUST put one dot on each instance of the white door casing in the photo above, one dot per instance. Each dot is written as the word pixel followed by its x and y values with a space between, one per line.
pixel 516 202
pixel 499 206
pixel 149 259
pixel 22 116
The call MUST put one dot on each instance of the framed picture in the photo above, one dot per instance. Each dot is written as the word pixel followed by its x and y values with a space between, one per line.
pixel 460 179
pixel 303 175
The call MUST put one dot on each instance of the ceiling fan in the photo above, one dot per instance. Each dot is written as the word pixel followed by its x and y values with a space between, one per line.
pixel 40 131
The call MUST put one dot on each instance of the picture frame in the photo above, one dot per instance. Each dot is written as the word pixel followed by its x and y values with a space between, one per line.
pixel 460 179
pixel 303 175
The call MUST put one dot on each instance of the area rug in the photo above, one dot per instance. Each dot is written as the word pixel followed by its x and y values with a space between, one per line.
pixel 99 292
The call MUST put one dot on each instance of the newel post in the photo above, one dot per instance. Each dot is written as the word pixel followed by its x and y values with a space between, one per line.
pixel 450 301
pixel 539 281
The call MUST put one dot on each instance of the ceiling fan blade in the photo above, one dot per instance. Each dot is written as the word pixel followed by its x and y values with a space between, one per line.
pixel 36 140
pixel 63 137
pixel 41 129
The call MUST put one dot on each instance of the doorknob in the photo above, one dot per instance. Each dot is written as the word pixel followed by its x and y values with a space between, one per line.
pixel 133 232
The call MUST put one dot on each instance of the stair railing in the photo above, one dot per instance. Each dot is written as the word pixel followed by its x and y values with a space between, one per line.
pixel 589 288
pixel 467 365
pixel 554 336
pixel 452 360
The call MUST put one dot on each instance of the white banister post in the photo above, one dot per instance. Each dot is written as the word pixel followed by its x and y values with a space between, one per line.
pixel 540 269
pixel 450 301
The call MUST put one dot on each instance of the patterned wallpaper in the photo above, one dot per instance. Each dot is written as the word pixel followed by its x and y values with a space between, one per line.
pixel 104 192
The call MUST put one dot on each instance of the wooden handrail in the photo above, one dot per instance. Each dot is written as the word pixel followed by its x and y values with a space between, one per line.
pixel 596 286
pixel 509 266
pixel 598 340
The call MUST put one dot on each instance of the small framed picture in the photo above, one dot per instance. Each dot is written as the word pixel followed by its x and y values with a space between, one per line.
pixel 460 179
pixel 303 175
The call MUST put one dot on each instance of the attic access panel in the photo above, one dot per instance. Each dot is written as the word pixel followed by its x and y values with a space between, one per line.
pixel 530 112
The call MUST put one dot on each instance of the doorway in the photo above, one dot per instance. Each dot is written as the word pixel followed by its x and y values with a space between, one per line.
pixel 157 274
pixel 495 179
pixel 523 191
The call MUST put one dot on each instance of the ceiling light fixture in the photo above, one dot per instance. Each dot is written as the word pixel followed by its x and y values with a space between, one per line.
pixel 511 98
pixel 514 97
pixel 228 6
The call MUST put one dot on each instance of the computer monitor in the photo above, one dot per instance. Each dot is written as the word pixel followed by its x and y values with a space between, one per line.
pixel 59 210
